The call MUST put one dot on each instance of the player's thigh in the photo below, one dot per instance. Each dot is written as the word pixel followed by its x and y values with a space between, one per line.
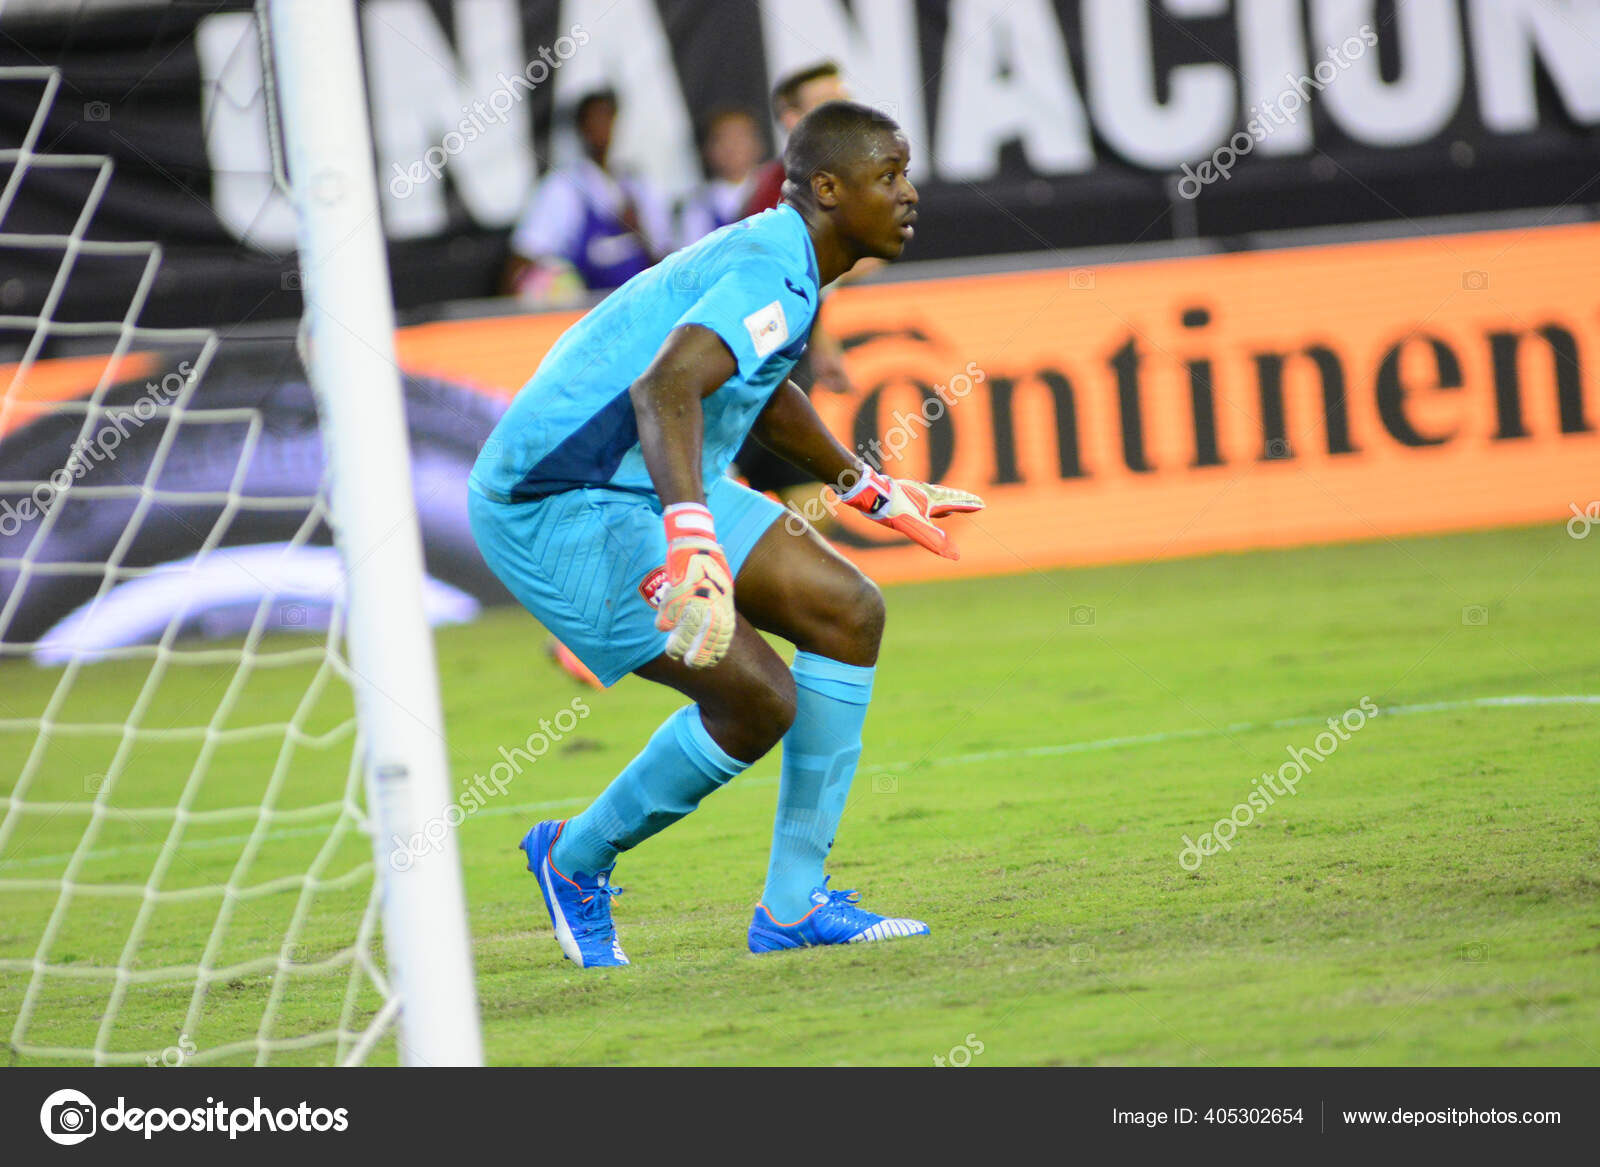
pixel 746 699
pixel 580 562
pixel 794 584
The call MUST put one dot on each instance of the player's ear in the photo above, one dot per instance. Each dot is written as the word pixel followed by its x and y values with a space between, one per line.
pixel 825 189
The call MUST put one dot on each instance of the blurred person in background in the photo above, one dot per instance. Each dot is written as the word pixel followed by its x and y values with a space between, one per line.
pixel 731 151
pixel 586 228
pixel 795 95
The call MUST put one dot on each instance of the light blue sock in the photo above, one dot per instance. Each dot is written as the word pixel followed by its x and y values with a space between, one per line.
pixel 678 767
pixel 819 760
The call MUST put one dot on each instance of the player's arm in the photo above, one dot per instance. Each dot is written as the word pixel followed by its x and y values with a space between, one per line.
pixel 697 601
pixel 790 428
pixel 691 365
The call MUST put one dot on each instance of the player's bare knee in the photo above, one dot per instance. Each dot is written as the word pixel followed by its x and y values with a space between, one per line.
pixel 860 620
pixel 873 611
pixel 751 717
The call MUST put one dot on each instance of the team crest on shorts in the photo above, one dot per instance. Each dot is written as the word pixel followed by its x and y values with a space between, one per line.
pixel 650 589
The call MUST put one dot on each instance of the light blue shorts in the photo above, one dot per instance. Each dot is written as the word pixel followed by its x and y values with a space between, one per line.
pixel 582 560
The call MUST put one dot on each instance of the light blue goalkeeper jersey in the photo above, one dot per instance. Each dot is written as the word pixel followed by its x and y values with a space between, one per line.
pixel 753 283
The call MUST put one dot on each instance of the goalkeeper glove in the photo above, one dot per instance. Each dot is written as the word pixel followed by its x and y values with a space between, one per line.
pixel 907 507
pixel 697 599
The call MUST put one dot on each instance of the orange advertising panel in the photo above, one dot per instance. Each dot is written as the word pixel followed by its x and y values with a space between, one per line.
pixel 1170 407
pixel 1204 404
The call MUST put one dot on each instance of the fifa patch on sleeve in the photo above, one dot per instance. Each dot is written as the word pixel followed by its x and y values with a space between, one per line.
pixel 768 328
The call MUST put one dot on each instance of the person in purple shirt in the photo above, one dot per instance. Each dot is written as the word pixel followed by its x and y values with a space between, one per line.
pixel 587 227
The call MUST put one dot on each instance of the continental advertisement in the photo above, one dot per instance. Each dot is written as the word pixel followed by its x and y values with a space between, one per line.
pixel 1219 403
pixel 1122 412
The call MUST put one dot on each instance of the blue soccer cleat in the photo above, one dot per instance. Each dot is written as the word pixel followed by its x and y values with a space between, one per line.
pixel 834 920
pixel 580 908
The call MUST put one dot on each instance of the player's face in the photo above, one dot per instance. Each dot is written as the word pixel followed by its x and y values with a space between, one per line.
pixel 877 200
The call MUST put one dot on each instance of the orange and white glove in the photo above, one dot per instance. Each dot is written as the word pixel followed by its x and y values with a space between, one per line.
pixel 697 599
pixel 907 507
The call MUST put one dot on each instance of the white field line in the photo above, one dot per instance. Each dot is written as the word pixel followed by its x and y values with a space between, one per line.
pixel 765 779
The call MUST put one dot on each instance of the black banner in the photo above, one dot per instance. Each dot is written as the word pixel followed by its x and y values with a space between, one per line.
pixel 437 1112
pixel 1035 125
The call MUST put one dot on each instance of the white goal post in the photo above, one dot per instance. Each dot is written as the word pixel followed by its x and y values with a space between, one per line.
pixel 199 791
pixel 349 354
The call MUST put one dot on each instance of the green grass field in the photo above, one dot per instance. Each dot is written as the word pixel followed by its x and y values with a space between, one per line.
pixel 1428 896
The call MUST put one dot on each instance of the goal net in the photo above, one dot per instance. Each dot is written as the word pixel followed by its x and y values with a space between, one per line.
pixel 218 704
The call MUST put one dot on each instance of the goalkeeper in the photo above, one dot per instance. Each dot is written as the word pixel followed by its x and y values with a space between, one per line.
pixel 601 501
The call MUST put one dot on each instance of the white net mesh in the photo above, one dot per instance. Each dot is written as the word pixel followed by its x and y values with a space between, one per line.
pixel 185 874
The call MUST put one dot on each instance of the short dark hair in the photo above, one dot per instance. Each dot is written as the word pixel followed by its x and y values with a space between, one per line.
pixel 829 138
pixel 594 97
pixel 786 93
